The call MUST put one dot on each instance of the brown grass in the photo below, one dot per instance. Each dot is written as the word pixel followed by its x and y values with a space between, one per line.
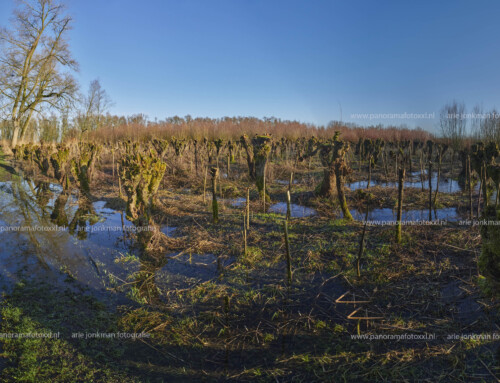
pixel 5 147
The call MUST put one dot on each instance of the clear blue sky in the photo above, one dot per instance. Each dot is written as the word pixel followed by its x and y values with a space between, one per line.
pixel 299 60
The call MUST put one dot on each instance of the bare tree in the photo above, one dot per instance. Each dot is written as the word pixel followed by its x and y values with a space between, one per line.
pixel 453 123
pixel 490 126
pixel 476 122
pixel 93 106
pixel 35 62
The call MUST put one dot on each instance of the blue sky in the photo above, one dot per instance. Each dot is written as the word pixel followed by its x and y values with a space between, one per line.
pixel 303 60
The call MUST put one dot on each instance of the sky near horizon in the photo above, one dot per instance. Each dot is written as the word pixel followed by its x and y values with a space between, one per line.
pixel 312 61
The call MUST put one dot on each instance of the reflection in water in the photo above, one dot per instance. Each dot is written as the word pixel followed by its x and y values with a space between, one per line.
pixel 386 214
pixel 93 244
pixel 58 215
pixel 238 202
pixel 446 185
pixel 83 215
pixel 36 240
pixel 298 211
pixel 286 182
pixel 42 193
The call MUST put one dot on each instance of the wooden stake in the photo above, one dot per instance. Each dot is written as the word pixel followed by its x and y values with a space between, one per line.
pixel 119 181
pixel 248 209
pixel 264 195
pixel 401 179
pixel 288 258
pixel 288 206
pixel 244 236
pixel 362 245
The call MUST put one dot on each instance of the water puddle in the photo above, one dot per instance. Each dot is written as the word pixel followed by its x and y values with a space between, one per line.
pixel 298 211
pixel 389 215
pixel 446 185
pixel 45 231
pixel 238 202
pixel 286 182
pixel 169 231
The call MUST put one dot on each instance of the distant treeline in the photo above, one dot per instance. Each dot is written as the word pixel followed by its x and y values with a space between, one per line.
pixel 235 127
pixel 118 128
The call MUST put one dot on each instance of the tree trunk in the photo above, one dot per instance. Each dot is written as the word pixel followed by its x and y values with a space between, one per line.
pixel 260 178
pixel 24 127
pixel 328 186
pixel 215 206
pixel 340 192
pixel 15 133
pixel 437 181
pixel 261 149
pixel 485 187
pixel 369 172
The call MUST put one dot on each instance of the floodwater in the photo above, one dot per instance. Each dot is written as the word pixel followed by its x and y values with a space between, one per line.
pixel 446 185
pixel 297 211
pixel 389 215
pixel 286 182
pixel 44 232
pixel 238 202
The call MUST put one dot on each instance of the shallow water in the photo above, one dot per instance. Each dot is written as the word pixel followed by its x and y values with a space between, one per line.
pixel 286 182
pixel 169 231
pixel 386 214
pixel 446 185
pixel 298 211
pixel 89 242
pixel 238 202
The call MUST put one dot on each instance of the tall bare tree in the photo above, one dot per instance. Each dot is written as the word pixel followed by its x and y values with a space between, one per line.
pixel 476 122
pixel 490 126
pixel 93 106
pixel 453 123
pixel 35 62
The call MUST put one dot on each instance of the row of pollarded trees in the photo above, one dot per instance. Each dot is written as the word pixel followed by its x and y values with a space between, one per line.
pixel 136 160
pixel 68 165
pixel 333 154
pixel 429 157
pixel 141 173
